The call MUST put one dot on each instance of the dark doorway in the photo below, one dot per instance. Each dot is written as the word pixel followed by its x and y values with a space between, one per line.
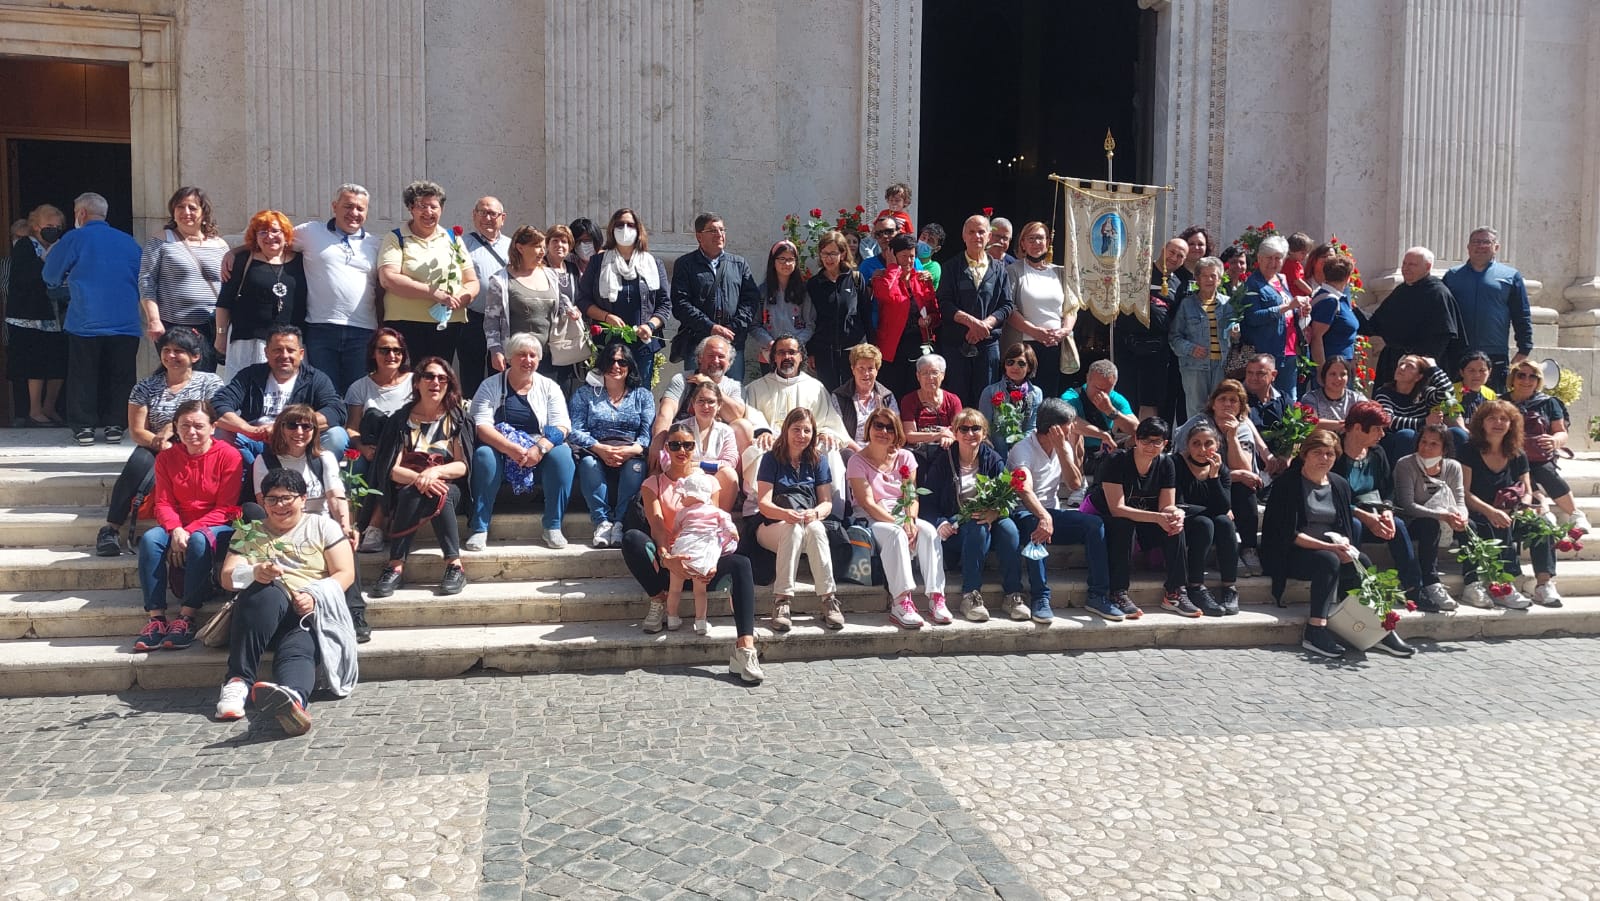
pixel 55 172
pixel 1024 90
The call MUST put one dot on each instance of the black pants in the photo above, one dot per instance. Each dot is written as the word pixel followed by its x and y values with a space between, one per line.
pixel 1200 533
pixel 1547 479
pixel 1329 574
pixel 410 506
pixel 426 339
pixel 472 354
pixel 1119 548
pixel 1049 377
pixel 137 477
pixel 353 598
pixel 1246 515
pixel 639 555
pixel 1425 535
pixel 264 621
pixel 101 377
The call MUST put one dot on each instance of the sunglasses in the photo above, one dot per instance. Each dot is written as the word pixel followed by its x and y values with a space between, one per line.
pixel 1017 361
pixel 392 351
pixel 970 429
pixel 680 447
pixel 885 233
pixel 435 377
pixel 300 426
pixel 624 362
pixel 881 426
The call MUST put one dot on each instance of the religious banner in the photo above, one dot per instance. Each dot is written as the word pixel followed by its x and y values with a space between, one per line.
pixel 1108 246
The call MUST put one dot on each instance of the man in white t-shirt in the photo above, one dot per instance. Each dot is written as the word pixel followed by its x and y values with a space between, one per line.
pixel 1048 462
pixel 341 262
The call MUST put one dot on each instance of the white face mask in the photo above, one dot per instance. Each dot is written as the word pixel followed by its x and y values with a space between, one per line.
pixel 585 250
pixel 625 236
pixel 1429 462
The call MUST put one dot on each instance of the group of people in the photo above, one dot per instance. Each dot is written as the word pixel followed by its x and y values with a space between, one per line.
pixel 450 368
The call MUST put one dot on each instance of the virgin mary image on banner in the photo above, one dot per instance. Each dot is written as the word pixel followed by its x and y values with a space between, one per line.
pixel 1108 248
pixel 1108 238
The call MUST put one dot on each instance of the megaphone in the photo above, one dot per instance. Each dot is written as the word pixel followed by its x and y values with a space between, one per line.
pixel 1552 373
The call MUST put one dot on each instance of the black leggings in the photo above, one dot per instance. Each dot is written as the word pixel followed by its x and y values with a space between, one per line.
pixel 1119 547
pixel 1548 479
pixel 1201 533
pixel 1425 535
pixel 138 477
pixel 1329 576
pixel 409 508
pixel 639 554
pixel 264 621
pixel 1246 515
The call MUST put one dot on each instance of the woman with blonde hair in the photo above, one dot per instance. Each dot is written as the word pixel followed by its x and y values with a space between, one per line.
pixel 266 286
pixel 1044 316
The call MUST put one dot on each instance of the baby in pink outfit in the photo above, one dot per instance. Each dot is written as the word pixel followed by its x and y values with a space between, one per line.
pixel 705 533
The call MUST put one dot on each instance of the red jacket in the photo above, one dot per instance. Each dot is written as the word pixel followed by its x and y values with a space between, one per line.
pixel 197 492
pixel 899 306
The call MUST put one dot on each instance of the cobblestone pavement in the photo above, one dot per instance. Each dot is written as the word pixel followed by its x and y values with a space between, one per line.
pixel 1463 773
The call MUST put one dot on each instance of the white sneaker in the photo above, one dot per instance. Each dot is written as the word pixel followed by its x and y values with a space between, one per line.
pixel 674 623
pixel 1546 595
pixel 1477 595
pixel 371 540
pixel 1250 561
pixel 652 618
pixel 616 534
pixel 476 542
pixel 1516 600
pixel 1440 596
pixel 938 611
pixel 972 607
pixel 554 540
pixel 602 535
pixel 904 613
pixel 230 705
pixel 1017 607
pixel 746 664
pixel 702 626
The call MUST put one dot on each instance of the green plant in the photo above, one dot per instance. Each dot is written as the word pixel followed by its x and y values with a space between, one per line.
pixel 1380 590
pixel 996 493
pixel 909 493
pixel 356 489
pixel 1286 434
pixel 1008 414
pixel 1482 556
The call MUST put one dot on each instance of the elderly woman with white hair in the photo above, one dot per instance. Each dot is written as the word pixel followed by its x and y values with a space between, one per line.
pixel 929 413
pixel 521 424
pixel 1201 335
pixel 1269 312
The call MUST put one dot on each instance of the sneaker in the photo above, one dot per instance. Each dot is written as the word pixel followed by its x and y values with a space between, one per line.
pixel 1318 640
pixel 674 623
pixel 653 617
pixel 602 535
pixel 180 634
pixel 1578 520
pixel 84 437
pixel 833 613
pixel 1201 597
pixel 151 635
pixel 372 540
pixel 1250 561
pixel 283 705
pixel 1513 600
pixel 1106 609
pixel 1477 595
pixel 476 542
pixel 972 607
pixel 1441 596
pixel 938 611
pixel 746 665
pixel 701 626
pixel 616 534
pixel 780 615
pixel 1041 612
pixel 1229 601
pixel 230 704
pixel 113 435
pixel 1177 601
pixel 1394 645
pixel 554 540
pixel 455 579
pixel 358 619
pixel 1017 607
pixel 904 613
pixel 1426 603
pixel 1546 595
pixel 106 543
pixel 1129 609
pixel 391 578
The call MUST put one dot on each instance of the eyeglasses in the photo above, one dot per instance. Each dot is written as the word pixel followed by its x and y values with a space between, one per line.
pixel 1018 361
pixel 434 377
pixel 1151 442
pixel 300 426
pixel 970 429
pixel 491 215
pixel 885 233
pixel 680 447
pixel 280 500
pixel 392 351
pixel 713 230
pixel 881 426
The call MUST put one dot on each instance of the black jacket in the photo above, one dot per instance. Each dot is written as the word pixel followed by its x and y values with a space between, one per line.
pixel 944 501
pixel 246 394
pixel 957 293
pixel 26 294
pixel 702 298
pixel 1286 517
pixel 396 437
pixel 1422 318
pixel 844 308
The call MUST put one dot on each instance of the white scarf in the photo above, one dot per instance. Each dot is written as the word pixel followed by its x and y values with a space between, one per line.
pixel 614 270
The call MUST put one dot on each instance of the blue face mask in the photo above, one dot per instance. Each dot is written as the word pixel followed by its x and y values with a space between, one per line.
pixel 924 250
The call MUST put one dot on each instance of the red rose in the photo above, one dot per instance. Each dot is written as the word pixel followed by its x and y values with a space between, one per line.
pixel 1575 533
pixel 860 208
pixel 1345 247
pixel 1390 620
pixel 841 210
pixel 840 223
pixel 1577 545
pixel 816 213
pixel 595 330
pixel 988 211
pixel 1411 605
pixel 1564 545
pixel 456 229
pixel 862 228
pixel 1016 395
pixel 351 453
pixel 905 471
pixel 1268 226
pixel 999 398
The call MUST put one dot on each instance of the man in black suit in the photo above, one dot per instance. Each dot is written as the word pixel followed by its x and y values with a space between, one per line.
pixel 974 301
pixel 713 293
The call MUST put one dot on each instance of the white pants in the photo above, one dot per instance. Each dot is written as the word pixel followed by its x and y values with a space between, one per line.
pixel 787 540
pixel 896 555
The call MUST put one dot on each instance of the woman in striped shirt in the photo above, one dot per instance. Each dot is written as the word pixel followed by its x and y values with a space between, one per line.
pixel 180 274
pixel 1411 401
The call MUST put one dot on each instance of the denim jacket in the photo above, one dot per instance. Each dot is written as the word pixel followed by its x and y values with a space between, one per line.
pixel 1188 329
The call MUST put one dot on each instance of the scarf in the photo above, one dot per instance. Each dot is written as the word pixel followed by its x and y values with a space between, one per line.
pixel 614 270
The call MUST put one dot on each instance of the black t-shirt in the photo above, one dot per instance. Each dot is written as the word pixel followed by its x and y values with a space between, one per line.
pixel 1213 496
pixel 1485 481
pixel 1141 492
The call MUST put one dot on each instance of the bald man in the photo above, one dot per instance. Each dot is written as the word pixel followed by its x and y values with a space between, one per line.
pixel 1419 316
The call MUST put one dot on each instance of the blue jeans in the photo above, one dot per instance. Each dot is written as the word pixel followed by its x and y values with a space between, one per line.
pixel 1288 379
pixel 334 440
pixel 340 351
pixel 592 478
pixel 1400 548
pixel 1069 527
pixel 197 564
pixel 489 470
pixel 1462 439
pixel 1198 384
pixel 1398 443
pixel 975 541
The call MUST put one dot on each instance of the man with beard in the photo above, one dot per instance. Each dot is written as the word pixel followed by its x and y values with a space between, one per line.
pixel 772 396
pixel 1418 317
pixel 712 358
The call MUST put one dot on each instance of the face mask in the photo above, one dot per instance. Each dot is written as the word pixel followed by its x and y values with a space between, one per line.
pixel 924 250
pixel 625 236
pixel 1429 462
pixel 1035 259
pixel 50 234
pixel 585 250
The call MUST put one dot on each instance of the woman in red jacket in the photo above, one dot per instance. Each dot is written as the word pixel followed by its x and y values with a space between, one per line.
pixel 196 497
pixel 906 315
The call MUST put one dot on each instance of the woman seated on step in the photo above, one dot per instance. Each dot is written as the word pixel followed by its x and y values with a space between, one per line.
pixel 290 600
pixel 151 406
pixel 1366 467
pixel 196 498
pixel 1495 473
pixel 649 558
pixel 1308 533
pixel 953 480
pixel 371 400
pixel 1430 495
pixel 879 475
pixel 794 494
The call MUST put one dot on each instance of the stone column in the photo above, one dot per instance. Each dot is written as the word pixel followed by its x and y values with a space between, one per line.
pixel 1580 326
pixel 891 98
pixel 1191 95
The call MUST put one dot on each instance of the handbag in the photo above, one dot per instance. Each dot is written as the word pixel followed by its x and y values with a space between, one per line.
pixel 569 340
pixel 1070 361
pixel 1510 498
pixel 860 570
pixel 679 348
pixel 1238 358
pixel 214 634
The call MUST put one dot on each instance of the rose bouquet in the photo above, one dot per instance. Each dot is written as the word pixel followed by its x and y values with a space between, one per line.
pixel 1010 409
pixel 1362 372
pixel 1380 591
pixel 1286 434
pixel 356 489
pixel 1534 527
pixel 996 493
pixel 1483 556
pixel 1254 235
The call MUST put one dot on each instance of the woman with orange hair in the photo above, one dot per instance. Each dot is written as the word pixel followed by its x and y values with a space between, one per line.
pixel 266 286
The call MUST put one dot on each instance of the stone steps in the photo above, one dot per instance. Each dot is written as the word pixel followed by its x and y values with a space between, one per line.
pixel 89 665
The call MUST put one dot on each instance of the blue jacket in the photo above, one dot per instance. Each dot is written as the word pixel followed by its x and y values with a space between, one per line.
pixel 1189 329
pixel 100 266
pixel 944 499
pixel 1264 327
pixel 1492 303
pixel 702 298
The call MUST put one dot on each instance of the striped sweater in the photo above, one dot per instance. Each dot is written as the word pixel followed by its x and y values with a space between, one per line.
pixel 1411 412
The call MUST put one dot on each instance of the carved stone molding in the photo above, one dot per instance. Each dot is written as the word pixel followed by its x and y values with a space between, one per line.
pixel 891 96
pixel 1195 106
